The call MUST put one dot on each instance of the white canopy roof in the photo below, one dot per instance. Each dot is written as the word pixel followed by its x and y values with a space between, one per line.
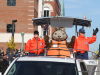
pixel 61 21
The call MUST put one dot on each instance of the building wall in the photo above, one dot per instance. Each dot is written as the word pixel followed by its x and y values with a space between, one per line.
pixel 17 37
pixel 23 12
pixel 35 9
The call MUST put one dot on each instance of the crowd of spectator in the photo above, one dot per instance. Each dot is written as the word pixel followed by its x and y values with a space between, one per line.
pixel 3 61
pixel 7 58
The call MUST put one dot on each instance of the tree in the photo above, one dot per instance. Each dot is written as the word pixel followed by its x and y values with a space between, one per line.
pixel 11 45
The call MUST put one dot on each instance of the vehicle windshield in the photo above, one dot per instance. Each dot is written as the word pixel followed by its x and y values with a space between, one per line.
pixel 42 68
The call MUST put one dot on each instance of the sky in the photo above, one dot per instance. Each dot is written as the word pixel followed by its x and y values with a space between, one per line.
pixel 91 8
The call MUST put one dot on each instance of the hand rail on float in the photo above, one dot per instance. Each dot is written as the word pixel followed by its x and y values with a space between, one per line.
pixel 69 49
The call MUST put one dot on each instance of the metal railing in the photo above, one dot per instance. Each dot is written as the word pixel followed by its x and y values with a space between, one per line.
pixel 71 50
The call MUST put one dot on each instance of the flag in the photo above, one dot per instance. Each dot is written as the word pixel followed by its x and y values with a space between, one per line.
pixel 84 17
pixel 96 52
pixel 88 27
pixel 44 27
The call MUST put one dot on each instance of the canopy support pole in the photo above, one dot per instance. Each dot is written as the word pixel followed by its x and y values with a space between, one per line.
pixel 76 30
pixel 47 29
pixel 82 27
pixel 76 34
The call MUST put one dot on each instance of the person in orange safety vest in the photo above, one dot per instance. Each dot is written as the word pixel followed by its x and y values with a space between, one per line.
pixel 81 45
pixel 33 45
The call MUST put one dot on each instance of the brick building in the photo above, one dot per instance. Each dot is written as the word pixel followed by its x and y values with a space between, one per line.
pixel 23 11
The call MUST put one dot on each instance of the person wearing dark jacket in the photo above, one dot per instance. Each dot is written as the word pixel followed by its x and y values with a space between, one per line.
pixel 7 51
pixel 10 55
pixel 0 64
pixel 10 58
pixel 4 65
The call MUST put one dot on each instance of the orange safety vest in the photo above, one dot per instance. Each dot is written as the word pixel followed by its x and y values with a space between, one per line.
pixel 59 51
pixel 82 43
pixel 32 44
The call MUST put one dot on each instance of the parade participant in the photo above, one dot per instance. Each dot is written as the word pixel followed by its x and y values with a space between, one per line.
pixel 81 45
pixel 59 45
pixel 33 45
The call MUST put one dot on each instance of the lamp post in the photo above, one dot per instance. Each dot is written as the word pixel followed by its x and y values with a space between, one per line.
pixel 22 34
pixel 13 21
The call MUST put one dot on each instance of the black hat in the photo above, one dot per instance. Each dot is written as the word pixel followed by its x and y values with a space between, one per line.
pixel 36 32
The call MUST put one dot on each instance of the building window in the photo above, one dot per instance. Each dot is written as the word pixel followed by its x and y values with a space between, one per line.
pixel 9 28
pixel 46 12
pixel 11 2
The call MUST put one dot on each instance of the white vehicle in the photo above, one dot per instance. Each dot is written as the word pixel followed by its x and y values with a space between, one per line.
pixel 49 65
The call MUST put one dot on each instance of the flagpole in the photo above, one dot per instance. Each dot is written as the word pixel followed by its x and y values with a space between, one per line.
pixel 84 15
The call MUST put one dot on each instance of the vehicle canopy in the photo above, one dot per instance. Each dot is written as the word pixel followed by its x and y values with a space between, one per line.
pixel 59 21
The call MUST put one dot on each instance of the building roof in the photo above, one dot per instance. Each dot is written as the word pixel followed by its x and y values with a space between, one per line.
pixel 53 59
